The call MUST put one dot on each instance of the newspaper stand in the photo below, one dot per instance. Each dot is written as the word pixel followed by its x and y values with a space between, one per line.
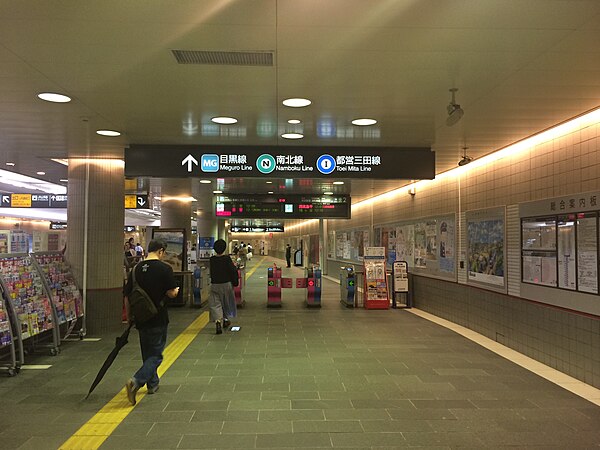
pixel 274 286
pixel 347 286
pixel 400 285
pixel 376 292
pixel 239 290
pixel 60 286
pixel 7 343
pixel 33 314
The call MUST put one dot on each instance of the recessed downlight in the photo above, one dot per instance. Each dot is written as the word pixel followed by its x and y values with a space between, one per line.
pixel 270 192
pixel 296 102
pixel 41 173
pixel 294 121
pixel 111 133
pixel 217 192
pixel 64 180
pixel 205 181
pixel 54 97
pixel 269 182
pixel 11 164
pixel 327 193
pixel 364 122
pixel 292 136
pixel 338 182
pixel 223 120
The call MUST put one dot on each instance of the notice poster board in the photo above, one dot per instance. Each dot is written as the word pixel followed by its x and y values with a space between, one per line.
pixel 566 252
pixel 375 286
pixel 587 252
pixel 176 253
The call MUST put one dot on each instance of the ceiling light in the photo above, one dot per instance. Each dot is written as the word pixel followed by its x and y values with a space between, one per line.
pixel 269 182
pixel 327 193
pixel 455 112
pixel 224 120
pixel 41 173
pixel 364 122
pixel 11 164
pixel 64 180
pixel 63 161
pixel 270 192
pixel 338 182
pixel 217 192
pixel 54 97
pixel 111 133
pixel 296 102
pixel 292 136
pixel 205 181
pixel 294 121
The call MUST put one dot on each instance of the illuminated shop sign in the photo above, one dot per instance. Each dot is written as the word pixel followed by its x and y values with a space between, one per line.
pixel 287 162
pixel 283 207
pixel 33 201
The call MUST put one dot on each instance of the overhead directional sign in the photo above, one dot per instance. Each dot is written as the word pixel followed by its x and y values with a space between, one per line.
pixel 184 161
pixel 136 201
pixel 33 201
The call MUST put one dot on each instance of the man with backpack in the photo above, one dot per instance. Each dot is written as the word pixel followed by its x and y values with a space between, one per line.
pixel 148 285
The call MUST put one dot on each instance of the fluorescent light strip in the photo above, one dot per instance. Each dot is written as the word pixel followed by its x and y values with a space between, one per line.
pixel 582 121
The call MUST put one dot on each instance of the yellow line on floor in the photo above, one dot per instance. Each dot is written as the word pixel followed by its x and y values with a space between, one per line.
pixel 93 433
pixel 256 267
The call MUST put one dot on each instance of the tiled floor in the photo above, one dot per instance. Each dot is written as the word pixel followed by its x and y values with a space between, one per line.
pixel 294 377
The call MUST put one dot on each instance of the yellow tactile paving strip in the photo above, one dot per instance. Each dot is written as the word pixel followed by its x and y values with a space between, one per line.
pixel 93 433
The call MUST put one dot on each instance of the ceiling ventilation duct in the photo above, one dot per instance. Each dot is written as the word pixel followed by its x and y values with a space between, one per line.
pixel 262 58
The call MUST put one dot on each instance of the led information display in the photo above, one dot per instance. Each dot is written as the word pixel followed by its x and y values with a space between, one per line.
pixel 285 162
pixel 284 207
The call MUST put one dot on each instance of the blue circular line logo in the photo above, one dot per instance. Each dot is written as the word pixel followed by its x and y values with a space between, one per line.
pixel 326 164
pixel 265 163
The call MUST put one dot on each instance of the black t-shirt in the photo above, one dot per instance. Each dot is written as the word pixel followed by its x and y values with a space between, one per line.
pixel 156 278
pixel 222 269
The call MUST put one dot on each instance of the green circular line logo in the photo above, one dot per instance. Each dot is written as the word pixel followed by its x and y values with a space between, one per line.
pixel 265 163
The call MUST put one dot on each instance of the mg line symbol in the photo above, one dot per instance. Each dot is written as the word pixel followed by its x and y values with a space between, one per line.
pixel 265 163
pixel 209 163
pixel 326 164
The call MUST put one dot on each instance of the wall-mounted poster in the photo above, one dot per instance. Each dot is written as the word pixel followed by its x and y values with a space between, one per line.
pixel 566 252
pixel 446 251
pixel 420 245
pixel 587 253
pixel 405 244
pixel 485 246
pixel 176 253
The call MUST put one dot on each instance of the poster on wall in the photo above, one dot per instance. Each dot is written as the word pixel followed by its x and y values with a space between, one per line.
pixel 420 245
pixel 431 240
pixel 405 244
pixel 176 253
pixel 446 245
pixel 566 252
pixel 587 253
pixel 485 246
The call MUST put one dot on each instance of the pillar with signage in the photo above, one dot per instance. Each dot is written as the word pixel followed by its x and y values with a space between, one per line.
pixel 375 286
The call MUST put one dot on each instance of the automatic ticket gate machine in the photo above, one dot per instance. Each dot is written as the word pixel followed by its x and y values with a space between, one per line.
pixel 347 286
pixel 274 286
pixel 201 287
pixel 239 291
pixel 313 286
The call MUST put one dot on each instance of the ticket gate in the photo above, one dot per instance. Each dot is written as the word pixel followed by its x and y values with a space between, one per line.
pixel 201 287
pixel 274 286
pixel 313 286
pixel 239 290
pixel 347 286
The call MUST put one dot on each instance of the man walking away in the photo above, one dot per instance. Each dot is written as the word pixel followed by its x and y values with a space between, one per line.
pixel 288 255
pixel 156 278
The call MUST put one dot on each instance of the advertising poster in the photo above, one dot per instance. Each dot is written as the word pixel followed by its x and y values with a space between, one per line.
pixel 405 244
pixel 431 240
pixel 566 252
pixel 175 254
pixel 485 244
pixel 446 245
pixel 420 245
pixel 587 253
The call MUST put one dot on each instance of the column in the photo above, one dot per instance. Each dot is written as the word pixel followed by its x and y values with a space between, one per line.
pixel 95 215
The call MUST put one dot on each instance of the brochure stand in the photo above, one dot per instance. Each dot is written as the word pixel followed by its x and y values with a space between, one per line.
pixel 376 291
pixel 61 288
pixel 32 311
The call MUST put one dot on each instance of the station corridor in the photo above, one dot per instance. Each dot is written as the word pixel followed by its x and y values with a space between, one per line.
pixel 297 377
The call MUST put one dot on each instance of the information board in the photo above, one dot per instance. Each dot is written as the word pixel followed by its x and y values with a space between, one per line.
pixel 284 207
pixel 33 201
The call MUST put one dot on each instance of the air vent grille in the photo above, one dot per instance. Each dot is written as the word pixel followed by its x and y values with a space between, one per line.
pixel 263 58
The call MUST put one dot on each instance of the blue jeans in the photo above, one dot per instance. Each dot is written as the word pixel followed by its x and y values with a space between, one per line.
pixel 152 343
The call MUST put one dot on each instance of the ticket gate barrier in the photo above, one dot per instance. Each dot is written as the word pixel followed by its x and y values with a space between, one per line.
pixel 201 287
pixel 347 286
pixel 274 286
pixel 313 286
pixel 239 290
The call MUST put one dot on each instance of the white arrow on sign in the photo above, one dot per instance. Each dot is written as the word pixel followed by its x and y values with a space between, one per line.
pixel 189 160
pixel 6 199
pixel 141 201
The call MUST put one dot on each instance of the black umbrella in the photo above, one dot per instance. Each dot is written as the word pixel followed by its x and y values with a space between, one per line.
pixel 120 342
